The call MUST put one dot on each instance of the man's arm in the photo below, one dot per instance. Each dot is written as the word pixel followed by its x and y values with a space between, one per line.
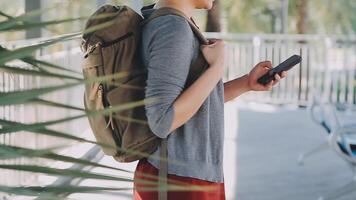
pixel 248 82
pixel 169 56
pixel 235 88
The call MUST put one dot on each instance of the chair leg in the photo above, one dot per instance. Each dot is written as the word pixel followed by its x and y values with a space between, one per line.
pixel 315 150
pixel 347 189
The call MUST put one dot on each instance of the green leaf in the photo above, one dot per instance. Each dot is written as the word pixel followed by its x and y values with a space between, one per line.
pixel 18 190
pixel 48 132
pixel 5 15
pixel 11 152
pixel 54 133
pixel 37 63
pixel 18 152
pixel 6 56
pixel 32 61
pixel 64 172
pixel 25 25
pixel 54 104
pixel 21 22
pixel 24 96
pixel 41 125
pixel 11 21
pixel 50 191
pixel 75 189
pixel 17 70
pixel 18 97
pixel 35 126
pixel 30 25
pixel 58 157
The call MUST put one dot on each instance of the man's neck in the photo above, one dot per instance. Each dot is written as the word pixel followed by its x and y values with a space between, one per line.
pixel 180 5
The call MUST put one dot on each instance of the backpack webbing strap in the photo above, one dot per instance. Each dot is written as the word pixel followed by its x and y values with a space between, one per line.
pixel 163 171
pixel 171 11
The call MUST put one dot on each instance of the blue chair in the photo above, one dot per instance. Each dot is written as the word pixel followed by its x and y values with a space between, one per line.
pixel 341 120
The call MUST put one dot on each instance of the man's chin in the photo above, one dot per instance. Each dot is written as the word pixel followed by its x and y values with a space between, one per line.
pixel 208 7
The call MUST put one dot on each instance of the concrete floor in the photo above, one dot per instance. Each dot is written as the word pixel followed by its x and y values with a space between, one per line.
pixel 269 143
pixel 261 150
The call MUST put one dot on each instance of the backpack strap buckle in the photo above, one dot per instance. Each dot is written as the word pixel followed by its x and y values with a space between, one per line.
pixel 90 49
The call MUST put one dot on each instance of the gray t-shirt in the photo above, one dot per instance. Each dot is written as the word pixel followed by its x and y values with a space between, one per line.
pixel 168 48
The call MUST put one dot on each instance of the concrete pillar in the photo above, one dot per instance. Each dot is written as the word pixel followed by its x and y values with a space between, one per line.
pixel 284 16
pixel 31 5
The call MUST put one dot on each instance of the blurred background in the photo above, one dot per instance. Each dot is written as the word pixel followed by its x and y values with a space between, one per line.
pixel 235 16
pixel 295 142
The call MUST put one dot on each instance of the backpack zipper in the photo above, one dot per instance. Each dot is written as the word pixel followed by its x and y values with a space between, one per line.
pixel 100 95
pixel 129 34
pixel 91 49
pixel 110 123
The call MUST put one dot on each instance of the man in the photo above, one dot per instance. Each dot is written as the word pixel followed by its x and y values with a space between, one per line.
pixel 192 119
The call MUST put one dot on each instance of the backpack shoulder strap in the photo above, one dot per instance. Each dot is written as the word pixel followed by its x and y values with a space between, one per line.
pixel 171 11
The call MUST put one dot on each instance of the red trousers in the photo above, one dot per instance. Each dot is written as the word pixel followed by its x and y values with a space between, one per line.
pixel 216 193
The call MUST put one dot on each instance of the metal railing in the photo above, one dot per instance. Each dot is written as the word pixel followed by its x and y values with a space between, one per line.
pixel 68 56
pixel 328 66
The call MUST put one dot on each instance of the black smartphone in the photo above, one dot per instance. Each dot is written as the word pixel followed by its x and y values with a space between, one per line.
pixel 284 66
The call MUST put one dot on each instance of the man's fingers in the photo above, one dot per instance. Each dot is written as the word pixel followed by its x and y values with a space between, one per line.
pixel 211 41
pixel 284 74
pixel 210 44
pixel 266 64
pixel 269 85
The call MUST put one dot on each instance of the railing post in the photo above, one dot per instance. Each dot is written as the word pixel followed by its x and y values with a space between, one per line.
pixel 300 79
pixel 326 95
pixel 256 49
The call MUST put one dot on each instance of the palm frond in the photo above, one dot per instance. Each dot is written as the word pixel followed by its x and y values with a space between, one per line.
pixel 39 63
pixel 24 96
pixel 13 21
pixel 30 25
pixel 41 125
pixel 19 97
pixel 11 152
pixel 30 72
pixel 23 52
pixel 54 104
pixel 64 172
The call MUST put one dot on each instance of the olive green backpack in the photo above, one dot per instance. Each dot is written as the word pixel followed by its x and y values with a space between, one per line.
pixel 115 49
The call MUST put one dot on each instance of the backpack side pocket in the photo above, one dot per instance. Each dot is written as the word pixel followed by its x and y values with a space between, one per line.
pixel 93 101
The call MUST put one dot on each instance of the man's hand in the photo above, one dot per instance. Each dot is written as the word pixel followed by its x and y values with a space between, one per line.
pixel 258 71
